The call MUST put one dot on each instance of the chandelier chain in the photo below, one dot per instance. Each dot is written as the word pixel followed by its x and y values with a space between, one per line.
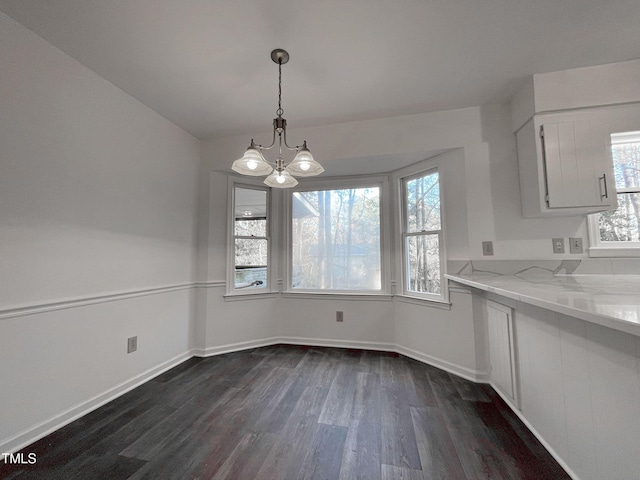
pixel 280 111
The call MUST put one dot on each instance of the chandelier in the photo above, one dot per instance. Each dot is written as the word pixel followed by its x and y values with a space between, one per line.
pixel 280 174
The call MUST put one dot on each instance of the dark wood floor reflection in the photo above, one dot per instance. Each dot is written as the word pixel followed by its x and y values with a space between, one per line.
pixel 289 412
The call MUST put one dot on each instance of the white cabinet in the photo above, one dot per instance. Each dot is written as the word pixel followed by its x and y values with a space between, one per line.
pixel 565 165
pixel 502 358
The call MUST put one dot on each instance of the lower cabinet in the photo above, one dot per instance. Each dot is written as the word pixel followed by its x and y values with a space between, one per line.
pixel 575 383
pixel 502 358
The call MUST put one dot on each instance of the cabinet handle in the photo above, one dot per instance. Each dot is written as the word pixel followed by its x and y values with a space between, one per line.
pixel 604 179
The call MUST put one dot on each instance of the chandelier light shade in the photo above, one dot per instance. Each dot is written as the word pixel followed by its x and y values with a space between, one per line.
pixel 252 163
pixel 280 174
pixel 281 179
pixel 303 164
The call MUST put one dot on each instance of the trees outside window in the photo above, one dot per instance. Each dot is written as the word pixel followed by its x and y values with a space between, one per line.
pixel 622 225
pixel 422 235
pixel 617 232
pixel 336 239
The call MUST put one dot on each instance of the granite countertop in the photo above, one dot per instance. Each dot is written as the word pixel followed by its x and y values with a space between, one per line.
pixel 609 300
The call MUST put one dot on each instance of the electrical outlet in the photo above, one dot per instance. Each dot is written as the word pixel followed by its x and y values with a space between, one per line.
pixel 487 248
pixel 339 316
pixel 558 245
pixel 132 344
pixel 575 245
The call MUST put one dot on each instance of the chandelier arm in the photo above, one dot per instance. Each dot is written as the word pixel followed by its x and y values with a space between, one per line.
pixel 262 147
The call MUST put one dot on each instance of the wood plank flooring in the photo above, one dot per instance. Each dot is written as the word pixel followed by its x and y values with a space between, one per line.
pixel 296 413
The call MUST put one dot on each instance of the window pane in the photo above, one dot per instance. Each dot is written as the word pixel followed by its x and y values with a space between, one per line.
pixel 250 277
pixel 423 203
pixel 621 225
pixel 251 228
pixel 251 252
pixel 250 212
pixel 336 239
pixel 423 263
pixel 625 150
pixel 251 263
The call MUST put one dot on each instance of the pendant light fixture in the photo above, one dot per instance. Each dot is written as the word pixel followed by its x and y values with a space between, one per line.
pixel 280 175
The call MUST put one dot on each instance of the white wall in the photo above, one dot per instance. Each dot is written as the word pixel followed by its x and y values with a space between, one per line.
pixel 447 338
pixel 97 205
pixel 367 323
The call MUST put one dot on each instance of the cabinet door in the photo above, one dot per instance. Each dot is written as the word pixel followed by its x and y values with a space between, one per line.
pixel 501 349
pixel 577 163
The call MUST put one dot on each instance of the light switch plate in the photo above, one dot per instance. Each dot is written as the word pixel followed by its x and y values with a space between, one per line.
pixel 558 245
pixel 575 245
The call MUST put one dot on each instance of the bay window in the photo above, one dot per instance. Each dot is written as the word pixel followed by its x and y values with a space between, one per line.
pixel 335 237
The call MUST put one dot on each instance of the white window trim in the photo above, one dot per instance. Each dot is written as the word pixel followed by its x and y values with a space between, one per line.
pixel 601 249
pixel 361 181
pixel 399 178
pixel 254 184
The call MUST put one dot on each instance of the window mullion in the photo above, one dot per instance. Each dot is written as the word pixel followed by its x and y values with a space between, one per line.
pixel 423 232
pixel 250 237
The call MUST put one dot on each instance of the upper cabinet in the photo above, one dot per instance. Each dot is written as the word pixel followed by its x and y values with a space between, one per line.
pixel 563 123
pixel 565 164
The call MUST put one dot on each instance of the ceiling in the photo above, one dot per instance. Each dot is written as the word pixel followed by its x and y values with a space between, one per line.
pixel 205 64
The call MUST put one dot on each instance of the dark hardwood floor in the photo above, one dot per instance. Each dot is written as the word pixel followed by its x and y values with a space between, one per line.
pixel 289 412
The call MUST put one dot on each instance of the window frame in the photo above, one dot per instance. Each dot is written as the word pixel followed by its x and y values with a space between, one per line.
pixel 346 182
pixel 248 184
pixel 403 176
pixel 600 248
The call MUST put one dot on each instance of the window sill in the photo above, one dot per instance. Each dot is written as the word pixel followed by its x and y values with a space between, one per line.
pixel 382 297
pixel 614 252
pixel 425 302
pixel 232 297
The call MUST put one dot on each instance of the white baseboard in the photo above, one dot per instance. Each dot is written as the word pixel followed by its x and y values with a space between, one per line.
pixel 540 438
pixel 36 432
pixel 327 342
pixel 464 372
pixel 235 347
pixel 315 342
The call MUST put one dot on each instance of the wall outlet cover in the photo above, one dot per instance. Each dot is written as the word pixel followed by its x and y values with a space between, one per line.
pixel 339 316
pixel 132 344
pixel 558 245
pixel 487 248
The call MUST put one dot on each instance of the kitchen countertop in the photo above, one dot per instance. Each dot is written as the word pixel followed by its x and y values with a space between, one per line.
pixel 609 300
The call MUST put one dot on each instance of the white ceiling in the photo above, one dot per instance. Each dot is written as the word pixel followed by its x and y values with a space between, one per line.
pixel 205 64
